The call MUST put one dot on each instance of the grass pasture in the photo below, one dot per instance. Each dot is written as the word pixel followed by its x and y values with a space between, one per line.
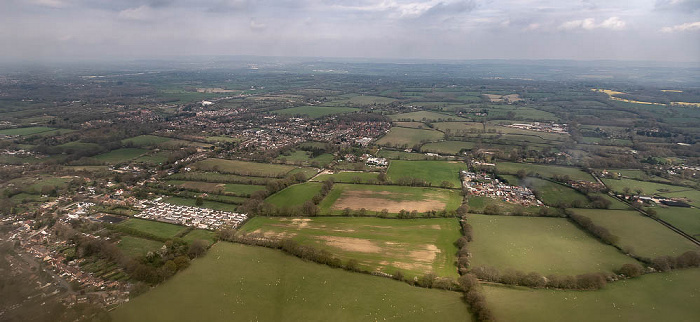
pixel 202 234
pixel 539 244
pixel 316 111
pixel 295 195
pixel 447 147
pixel 685 219
pixel 401 136
pixel 424 116
pixel 349 177
pixel 244 168
pixel 639 234
pixel 393 198
pixel 434 172
pixel 159 229
pixel 672 296
pixel 544 170
pixel 244 283
pixel 207 203
pixel 135 246
pixel 120 155
pixel 552 194
pixel 145 140
pixel 647 188
pixel 416 246
pixel 26 131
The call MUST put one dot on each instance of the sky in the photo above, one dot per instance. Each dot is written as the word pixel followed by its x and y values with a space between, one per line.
pixel 637 30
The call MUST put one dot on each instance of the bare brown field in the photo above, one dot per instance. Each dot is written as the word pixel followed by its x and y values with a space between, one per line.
pixel 357 199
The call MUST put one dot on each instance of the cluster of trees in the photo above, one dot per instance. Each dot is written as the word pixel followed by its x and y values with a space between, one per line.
pixel 462 242
pixel 587 224
pixel 472 295
pixel 685 260
pixel 590 281
pixel 152 268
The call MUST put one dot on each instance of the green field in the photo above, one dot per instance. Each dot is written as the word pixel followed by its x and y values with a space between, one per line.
pixel 145 140
pixel 207 203
pixel 424 116
pixel 392 198
pixel 77 146
pixel 648 188
pixel 202 234
pixel 244 168
pixel 672 296
pixel 159 229
pixel 158 157
pixel 546 171
pixel 244 283
pixel 217 177
pixel 349 177
pixel 401 155
pixel 638 234
pixel 120 155
pixel 405 137
pixel 134 246
pixel 685 219
pixel 295 195
pixel 369 99
pixel 447 147
pixel 553 194
pixel 539 244
pixel 242 189
pixel 24 131
pixel 434 172
pixel 304 157
pixel 414 246
pixel 316 111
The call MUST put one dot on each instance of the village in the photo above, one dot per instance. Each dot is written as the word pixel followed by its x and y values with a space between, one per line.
pixel 483 184
pixel 202 218
pixel 541 127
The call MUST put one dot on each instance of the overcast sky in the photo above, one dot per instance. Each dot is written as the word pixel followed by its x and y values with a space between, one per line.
pixel 658 30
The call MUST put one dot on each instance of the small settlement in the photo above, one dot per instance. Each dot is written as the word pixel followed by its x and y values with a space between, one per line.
pixel 202 218
pixel 483 184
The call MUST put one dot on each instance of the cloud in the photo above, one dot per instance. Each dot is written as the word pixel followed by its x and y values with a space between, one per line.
pixel 254 25
pixel 690 26
pixel 678 5
pixel 612 23
pixel 51 3
pixel 142 13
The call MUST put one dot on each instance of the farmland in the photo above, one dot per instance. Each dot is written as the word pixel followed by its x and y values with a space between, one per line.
pixel 239 282
pixel 24 131
pixel 295 195
pixel 424 116
pixel 349 177
pixel 158 229
pixel 401 136
pixel 671 296
pixel 393 198
pixel 244 168
pixel 547 171
pixel 316 111
pixel 543 245
pixel 416 246
pixel 433 172
pixel 447 147
pixel 145 140
pixel 638 234
pixel 135 246
pixel 685 219
pixel 120 155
